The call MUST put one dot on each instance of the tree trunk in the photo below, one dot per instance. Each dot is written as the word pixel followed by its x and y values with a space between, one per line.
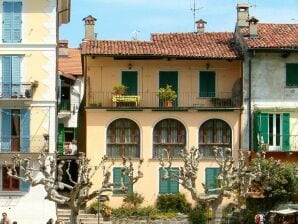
pixel 74 217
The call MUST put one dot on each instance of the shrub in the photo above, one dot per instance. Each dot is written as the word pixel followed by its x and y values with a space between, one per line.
pixel 122 212
pixel 133 199
pixel 172 202
pixel 198 215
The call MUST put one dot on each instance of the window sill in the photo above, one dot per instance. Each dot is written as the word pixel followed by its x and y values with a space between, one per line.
pixel 12 193
pixel 291 87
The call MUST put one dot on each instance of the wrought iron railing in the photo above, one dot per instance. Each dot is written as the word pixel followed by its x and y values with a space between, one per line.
pixel 16 90
pixel 279 143
pixel 22 144
pixel 151 100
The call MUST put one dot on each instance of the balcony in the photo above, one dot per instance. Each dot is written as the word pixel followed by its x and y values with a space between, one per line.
pixel 18 144
pixel 64 105
pixel 147 99
pixel 16 90
pixel 280 143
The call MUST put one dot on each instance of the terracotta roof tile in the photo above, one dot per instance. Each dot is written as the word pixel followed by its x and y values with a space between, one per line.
pixel 281 36
pixel 71 63
pixel 185 45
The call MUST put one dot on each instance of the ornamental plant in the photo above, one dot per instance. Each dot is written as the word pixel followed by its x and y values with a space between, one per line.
pixel 167 93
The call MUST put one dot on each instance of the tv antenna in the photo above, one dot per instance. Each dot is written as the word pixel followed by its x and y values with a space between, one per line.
pixel 253 4
pixel 135 34
pixel 194 9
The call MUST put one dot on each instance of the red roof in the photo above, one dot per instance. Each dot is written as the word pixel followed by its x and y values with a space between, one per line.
pixel 184 45
pixel 71 63
pixel 280 36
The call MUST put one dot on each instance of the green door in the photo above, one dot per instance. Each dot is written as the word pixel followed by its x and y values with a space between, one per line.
pixel 169 78
pixel 130 80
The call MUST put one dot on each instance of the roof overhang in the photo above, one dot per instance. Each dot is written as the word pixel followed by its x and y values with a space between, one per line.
pixel 64 11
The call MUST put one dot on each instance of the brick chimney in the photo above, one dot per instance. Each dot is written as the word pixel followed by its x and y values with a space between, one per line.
pixel 63 47
pixel 253 27
pixel 89 28
pixel 201 26
pixel 242 14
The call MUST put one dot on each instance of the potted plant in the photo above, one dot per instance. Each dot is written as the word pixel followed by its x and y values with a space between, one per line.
pixel 167 95
pixel 119 89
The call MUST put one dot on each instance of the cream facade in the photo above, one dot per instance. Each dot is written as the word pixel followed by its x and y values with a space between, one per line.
pixel 198 120
pixel 28 100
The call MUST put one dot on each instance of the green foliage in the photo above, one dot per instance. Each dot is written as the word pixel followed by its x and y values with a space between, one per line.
pixel 278 180
pixel 133 199
pixel 119 89
pixel 93 208
pixel 146 212
pixel 167 94
pixel 198 215
pixel 172 202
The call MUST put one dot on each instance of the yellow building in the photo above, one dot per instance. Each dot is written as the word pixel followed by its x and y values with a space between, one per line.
pixel 202 68
pixel 28 97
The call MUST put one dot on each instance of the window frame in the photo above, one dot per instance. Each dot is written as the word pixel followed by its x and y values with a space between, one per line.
pixel 120 142
pixel 5 177
pixel 171 143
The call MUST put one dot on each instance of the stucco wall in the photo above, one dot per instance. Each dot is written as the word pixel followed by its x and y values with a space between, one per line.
pixel 98 121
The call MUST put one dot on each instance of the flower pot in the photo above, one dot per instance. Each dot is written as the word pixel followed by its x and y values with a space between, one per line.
pixel 168 103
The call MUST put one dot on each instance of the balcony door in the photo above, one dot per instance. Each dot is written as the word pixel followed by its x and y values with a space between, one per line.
pixel 130 80
pixel 11 72
pixel 169 78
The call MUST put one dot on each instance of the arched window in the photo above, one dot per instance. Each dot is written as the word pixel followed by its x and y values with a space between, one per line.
pixel 123 139
pixel 168 134
pixel 214 132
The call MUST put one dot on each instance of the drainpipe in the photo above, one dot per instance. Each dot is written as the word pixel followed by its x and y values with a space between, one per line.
pixel 249 105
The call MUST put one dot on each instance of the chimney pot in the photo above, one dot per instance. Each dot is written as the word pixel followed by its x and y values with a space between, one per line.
pixel 253 27
pixel 63 47
pixel 242 14
pixel 201 26
pixel 89 28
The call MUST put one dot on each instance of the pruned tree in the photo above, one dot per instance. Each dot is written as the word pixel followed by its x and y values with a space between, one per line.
pixel 79 190
pixel 234 179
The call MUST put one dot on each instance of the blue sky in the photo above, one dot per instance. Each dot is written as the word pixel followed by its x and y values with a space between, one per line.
pixel 118 19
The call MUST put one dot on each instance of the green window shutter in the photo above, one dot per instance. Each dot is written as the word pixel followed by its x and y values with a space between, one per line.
pixel 256 129
pixel 117 179
pixel 169 78
pixel 286 132
pixel 61 138
pixel 174 181
pixel 163 184
pixel 292 75
pixel 211 175
pixel 264 130
pixel 207 84
pixel 25 130
pixel 130 80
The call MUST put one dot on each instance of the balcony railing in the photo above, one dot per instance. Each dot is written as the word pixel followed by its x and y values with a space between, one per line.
pixel 64 105
pixel 18 144
pixel 16 90
pixel 280 143
pixel 151 100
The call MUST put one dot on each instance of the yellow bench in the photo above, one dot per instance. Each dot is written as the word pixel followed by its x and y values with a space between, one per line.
pixel 125 99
